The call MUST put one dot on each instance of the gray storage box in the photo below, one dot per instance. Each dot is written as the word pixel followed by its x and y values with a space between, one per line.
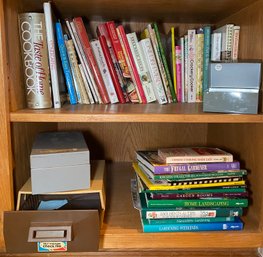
pixel 233 88
pixel 60 161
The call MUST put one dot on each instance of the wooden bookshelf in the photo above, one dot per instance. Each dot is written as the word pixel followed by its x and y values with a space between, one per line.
pixel 115 132
pixel 122 228
pixel 181 113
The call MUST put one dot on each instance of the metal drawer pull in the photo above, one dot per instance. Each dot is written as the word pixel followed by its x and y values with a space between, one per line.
pixel 49 233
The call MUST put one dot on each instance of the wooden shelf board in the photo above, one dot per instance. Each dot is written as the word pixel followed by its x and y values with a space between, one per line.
pixel 122 228
pixel 180 113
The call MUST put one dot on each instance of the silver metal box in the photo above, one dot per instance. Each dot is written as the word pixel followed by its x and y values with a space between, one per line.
pixel 233 87
pixel 60 161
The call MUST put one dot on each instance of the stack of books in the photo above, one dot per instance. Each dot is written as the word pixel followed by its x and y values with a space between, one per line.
pixel 189 189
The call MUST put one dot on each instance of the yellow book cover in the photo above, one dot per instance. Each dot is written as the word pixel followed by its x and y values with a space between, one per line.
pixel 199 64
pixel 153 186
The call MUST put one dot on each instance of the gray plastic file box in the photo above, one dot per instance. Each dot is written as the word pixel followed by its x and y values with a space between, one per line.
pixel 60 161
pixel 233 87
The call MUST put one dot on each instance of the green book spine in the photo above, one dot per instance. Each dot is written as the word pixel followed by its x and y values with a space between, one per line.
pixel 188 220
pixel 207 45
pixel 179 212
pixel 195 175
pixel 167 72
pixel 196 203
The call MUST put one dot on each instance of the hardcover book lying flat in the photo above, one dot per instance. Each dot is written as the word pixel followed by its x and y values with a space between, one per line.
pixel 157 165
pixel 194 154
pixel 150 183
pixel 186 227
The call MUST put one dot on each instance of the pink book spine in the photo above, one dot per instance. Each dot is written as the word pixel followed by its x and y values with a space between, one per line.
pixel 178 55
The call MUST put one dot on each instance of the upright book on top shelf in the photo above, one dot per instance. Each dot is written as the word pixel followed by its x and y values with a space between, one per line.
pixel 65 64
pixel 123 62
pixel 34 53
pixel 84 39
pixel 141 67
pixel 56 73
pixel 103 67
pixel 151 63
pixel 163 56
pixel 113 64
pixel 226 32
pixel 131 63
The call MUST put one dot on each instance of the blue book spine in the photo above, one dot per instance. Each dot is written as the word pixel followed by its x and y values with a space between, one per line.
pixel 65 64
pixel 206 56
pixel 237 224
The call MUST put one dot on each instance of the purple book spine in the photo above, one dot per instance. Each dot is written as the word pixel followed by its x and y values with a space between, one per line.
pixel 196 167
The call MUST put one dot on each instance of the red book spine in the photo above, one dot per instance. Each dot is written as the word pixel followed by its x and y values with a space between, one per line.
pixel 83 36
pixel 135 75
pixel 112 70
pixel 117 48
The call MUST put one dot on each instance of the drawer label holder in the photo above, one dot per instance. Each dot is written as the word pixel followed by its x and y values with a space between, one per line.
pixel 44 247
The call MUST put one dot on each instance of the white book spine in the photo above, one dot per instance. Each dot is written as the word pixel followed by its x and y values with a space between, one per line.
pixel 186 68
pixel 52 55
pixel 191 66
pixel 151 64
pixel 235 44
pixel 229 42
pixel 104 70
pixel 85 65
pixel 216 47
pixel 86 83
pixel 180 214
pixel 141 68
pixel 226 40
pixel 182 66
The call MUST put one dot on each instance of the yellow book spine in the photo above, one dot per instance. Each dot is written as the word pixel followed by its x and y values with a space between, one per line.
pixel 152 186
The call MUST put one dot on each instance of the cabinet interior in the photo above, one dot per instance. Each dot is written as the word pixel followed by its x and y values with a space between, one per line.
pixel 117 141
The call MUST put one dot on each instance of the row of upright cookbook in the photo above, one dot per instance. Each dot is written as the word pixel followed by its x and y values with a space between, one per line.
pixel 108 69
pixel 115 66
pixel 189 189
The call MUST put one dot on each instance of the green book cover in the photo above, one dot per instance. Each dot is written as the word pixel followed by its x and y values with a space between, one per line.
pixel 171 86
pixel 189 220
pixel 197 203
pixel 206 56
pixel 196 175
pixel 179 212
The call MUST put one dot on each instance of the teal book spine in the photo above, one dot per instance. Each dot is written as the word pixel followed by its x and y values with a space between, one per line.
pixel 206 56
pixel 237 224
pixel 167 72
pixel 197 203
pixel 193 220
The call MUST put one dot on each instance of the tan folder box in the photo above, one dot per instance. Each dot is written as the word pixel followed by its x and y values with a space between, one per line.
pixel 91 198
